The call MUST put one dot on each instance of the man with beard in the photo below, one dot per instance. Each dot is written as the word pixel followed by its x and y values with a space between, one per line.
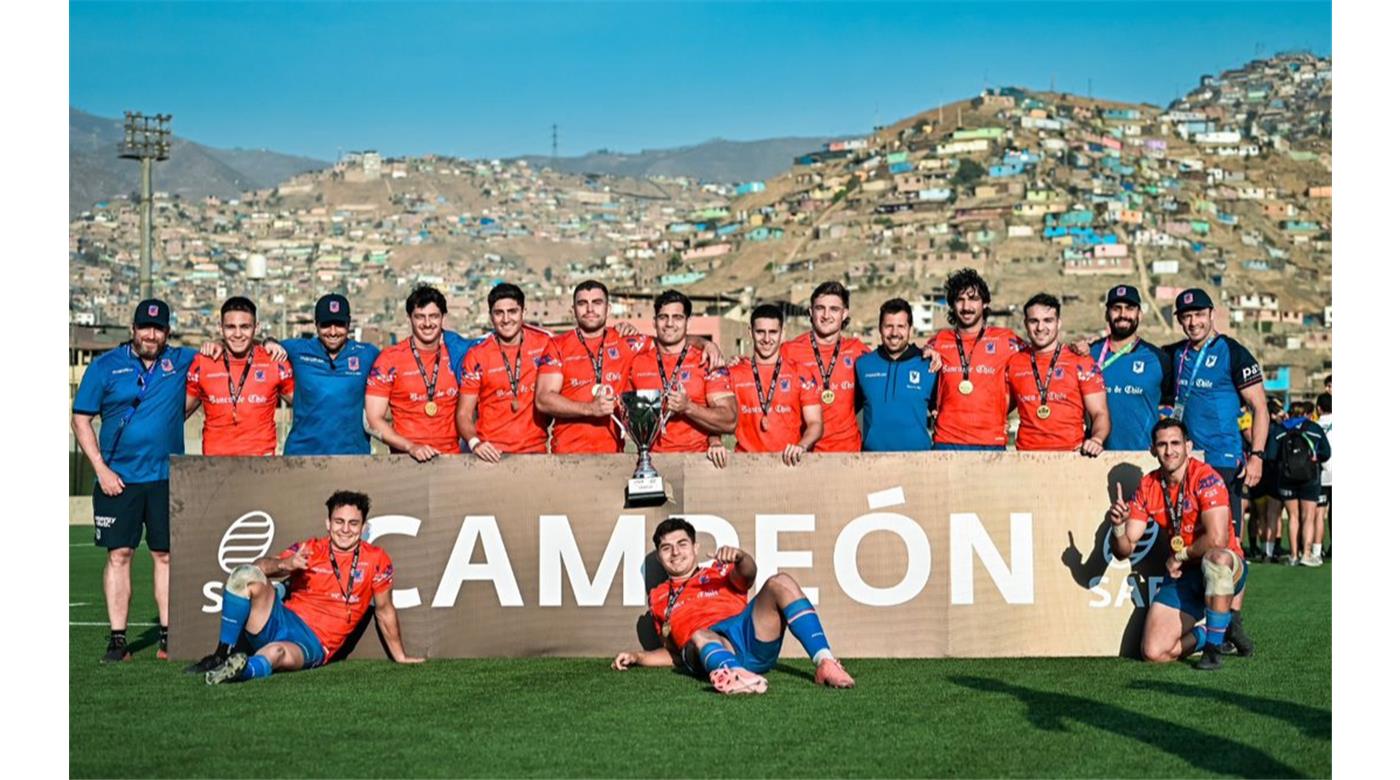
pixel 896 385
pixel 138 390
pixel 239 389
pixel 417 380
pixel 831 358
pixel 779 404
pixel 330 371
pixel 1213 375
pixel 710 627
pixel 496 405
pixel 1055 389
pixel 971 399
pixel 700 402
pixel 331 583
pixel 1136 374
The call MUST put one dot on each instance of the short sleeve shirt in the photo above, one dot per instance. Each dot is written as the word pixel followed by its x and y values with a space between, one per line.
pixel 681 435
pixel 701 601
pixel 1138 383
pixel 574 358
pixel 321 600
pixel 137 438
pixel 395 375
pixel 329 406
pixel 506 413
pixel 1204 490
pixel 795 389
pixel 240 422
pixel 1072 378
pixel 978 418
pixel 840 433
pixel 1208 384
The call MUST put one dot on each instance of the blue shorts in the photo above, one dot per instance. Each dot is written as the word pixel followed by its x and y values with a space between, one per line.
pixel 1188 592
pixel 284 625
pixel 937 447
pixel 753 654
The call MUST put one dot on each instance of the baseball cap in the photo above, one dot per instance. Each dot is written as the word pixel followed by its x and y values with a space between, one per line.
pixel 1193 299
pixel 332 308
pixel 1123 293
pixel 152 311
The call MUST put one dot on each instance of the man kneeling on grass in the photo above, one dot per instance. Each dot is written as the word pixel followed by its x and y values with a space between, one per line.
pixel 330 582
pixel 708 624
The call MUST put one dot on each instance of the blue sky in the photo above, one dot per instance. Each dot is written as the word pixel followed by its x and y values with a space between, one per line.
pixel 482 80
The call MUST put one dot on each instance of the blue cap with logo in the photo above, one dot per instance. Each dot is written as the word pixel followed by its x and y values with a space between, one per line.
pixel 152 311
pixel 1192 300
pixel 1123 293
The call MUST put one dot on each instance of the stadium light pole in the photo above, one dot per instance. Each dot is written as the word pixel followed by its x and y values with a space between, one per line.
pixel 145 138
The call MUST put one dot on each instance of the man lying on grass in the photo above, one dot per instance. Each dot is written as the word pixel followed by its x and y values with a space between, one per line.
pixel 331 583
pixel 709 626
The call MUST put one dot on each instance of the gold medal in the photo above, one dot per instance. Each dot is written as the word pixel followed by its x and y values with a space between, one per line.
pixel 763 423
pixel 597 389
pixel 666 631
pixel 828 397
pixel 1043 412
pixel 430 408
pixel 965 387
pixel 1178 543
pixel 515 404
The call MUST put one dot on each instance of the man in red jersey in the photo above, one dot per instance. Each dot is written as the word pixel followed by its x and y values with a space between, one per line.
pixel 239 389
pixel 496 408
pixel 700 401
pixel 779 404
pixel 1055 388
pixel 709 626
pixel 415 380
pixel 1188 500
pixel 831 357
pixel 331 583
pixel 972 398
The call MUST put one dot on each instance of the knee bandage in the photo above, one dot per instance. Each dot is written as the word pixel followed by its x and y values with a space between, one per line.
pixel 1220 578
pixel 242 577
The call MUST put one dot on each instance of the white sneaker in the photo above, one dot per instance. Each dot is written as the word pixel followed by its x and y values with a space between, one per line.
pixel 1311 560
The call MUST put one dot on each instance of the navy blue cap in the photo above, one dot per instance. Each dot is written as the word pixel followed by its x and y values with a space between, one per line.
pixel 152 311
pixel 1123 293
pixel 1193 300
pixel 332 308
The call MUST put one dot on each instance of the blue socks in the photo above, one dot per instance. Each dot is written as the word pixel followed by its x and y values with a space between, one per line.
pixel 1199 632
pixel 258 666
pixel 1216 623
pixel 234 617
pixel 716 656
pixel 802 620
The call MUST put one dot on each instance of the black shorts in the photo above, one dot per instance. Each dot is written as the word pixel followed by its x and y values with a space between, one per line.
pixel 1326 499
pixel 117 520
pixel 1305 491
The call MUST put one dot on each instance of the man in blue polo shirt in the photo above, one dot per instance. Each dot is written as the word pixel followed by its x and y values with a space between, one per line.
pixel 895 386
pixel 1136 374
pixel 1214 375
pixel 138 389
pixel 330 372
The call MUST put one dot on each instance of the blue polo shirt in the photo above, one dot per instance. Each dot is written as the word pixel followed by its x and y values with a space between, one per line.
pixel 1139 384
pixel 137 439
pixel 1208 384
pixel 329 405
pixel 895 397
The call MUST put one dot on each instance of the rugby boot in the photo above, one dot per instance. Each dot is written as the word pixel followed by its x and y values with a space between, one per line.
pixel 227 671
pixel 116 651
pixel 832 674
pixel 1235 636
pixel 207 664
pixel 733 680
pixel 1210 659
pixel 163 650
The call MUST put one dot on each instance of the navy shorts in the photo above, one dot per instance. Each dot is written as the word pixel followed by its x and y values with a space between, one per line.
pixel 753 654
pixel 284 625
pixel 937 447
pixel 117 520
pixel 1188 592
pixel 1304 491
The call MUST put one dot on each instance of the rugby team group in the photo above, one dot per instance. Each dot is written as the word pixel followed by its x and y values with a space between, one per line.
pixel 524 390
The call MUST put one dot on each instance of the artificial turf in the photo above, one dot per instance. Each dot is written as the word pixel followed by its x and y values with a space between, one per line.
pixel 1270 715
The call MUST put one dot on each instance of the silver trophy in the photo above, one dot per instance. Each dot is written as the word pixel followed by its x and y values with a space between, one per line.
pixel 643 417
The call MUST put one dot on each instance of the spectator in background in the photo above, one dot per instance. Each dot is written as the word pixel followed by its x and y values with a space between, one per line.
pixel 1300 448
pixel 1266 509
pixel 1324 504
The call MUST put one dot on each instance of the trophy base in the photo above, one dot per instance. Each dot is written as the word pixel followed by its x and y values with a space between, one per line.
pixel 645 491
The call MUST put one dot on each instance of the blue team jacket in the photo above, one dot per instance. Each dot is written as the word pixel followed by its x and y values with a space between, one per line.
pixel 895 394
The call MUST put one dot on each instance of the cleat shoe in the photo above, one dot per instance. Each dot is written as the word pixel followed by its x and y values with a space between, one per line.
pixel 116 651
pixel 1228 648
pixel 227 671
pixel 163 650
pixel 832 674
pixel 732 680
pixel 206 664
pixel 1238 640
pixel 1209 660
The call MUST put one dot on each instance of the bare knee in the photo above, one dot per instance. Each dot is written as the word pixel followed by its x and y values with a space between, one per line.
pixel 784 586
pixel 161 558
pixel 120 557
pixel 1157 652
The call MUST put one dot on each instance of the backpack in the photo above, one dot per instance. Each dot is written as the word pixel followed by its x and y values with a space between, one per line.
pixel 1297 461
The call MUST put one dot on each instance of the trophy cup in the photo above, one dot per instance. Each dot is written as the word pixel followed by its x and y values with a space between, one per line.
pixel 643 418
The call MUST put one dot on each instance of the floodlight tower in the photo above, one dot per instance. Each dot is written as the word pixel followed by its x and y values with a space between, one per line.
pixel 145 138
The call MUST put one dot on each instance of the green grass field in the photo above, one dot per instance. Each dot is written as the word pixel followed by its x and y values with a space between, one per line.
pixel 1266 716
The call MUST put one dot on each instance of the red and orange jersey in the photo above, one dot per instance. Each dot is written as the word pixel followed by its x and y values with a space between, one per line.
pixel 978 417
pixel 1072 378
pixel 247 427
pixel 1204 490
pixel 703 387
pixel 395 376
pixel 795 388
pixel 573 357
pixel 702 600
pixel 840 433
pixel 320 599
pixel 506 414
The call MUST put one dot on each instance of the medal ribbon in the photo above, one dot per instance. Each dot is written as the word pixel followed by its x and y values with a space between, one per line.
pixel 1120 352
pixel 1049 372
pixel 428 384
pixel 825 371
pixel 962 355
pixel 596 360
pixel 764 403
pixel 1175 510
pixel 673 594
pixel 1180 408
pixel 349 586
pixel 237 392
pixel 667 383
pixel 514 378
